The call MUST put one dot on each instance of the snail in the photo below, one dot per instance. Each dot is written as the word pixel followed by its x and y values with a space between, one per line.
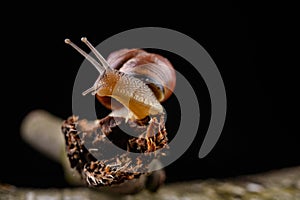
pixel 132 82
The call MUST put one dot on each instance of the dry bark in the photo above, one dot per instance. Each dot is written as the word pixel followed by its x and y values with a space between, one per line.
pixel 278 184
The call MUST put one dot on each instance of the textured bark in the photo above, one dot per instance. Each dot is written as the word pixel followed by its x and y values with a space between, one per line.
pixel 40 128
pixel 278 185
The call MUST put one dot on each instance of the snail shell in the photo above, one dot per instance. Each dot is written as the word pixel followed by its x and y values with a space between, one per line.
pixel 156 71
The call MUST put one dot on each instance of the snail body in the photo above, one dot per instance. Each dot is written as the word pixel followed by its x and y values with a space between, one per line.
pixel 132 82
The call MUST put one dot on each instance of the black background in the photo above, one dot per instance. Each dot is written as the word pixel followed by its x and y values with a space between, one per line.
pixel 250 44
